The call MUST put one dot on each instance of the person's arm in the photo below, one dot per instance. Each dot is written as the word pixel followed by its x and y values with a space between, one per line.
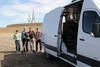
pixel 14 36
pixel 20 36
pixel 40 35
pixel 34 34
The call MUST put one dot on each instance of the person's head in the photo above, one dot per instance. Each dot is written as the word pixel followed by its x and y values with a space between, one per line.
pixel 16 31
pixel 24 28
pixel 37 29
pixel 30 28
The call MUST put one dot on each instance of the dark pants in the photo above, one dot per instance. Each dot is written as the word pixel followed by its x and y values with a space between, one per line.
pixel 38 42
pixel 17 42
pixel 26 45
pixel 24 42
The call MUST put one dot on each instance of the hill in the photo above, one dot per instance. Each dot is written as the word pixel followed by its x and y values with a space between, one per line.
pixel 11 28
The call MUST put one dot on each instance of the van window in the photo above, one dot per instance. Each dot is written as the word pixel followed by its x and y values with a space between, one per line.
pixel 89 18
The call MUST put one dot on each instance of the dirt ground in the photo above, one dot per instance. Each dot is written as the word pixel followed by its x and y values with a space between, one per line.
pixel 9 58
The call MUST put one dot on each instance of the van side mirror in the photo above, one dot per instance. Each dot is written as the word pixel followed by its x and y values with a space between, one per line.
pixel 96 29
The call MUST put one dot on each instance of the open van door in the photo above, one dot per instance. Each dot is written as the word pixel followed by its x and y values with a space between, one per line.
pixel 68 31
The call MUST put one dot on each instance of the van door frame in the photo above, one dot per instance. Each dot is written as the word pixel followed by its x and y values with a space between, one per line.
pixel 65 56
pixel 72 60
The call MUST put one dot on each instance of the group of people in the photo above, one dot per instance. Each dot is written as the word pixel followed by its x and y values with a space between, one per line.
pixel 28 38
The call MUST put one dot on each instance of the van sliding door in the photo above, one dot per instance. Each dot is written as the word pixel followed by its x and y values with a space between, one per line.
pixel 68 29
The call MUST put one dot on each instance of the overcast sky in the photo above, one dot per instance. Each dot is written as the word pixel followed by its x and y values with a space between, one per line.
pixel 17 11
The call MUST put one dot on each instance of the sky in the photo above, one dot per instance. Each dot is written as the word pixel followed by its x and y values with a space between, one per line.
pixel 18 11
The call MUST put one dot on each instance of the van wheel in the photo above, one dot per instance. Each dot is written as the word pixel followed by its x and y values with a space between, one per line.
pixel 48 56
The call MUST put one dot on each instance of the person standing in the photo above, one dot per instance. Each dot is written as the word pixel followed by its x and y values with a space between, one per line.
pixel 27 41
pixel 38 39
pixel 31 36
pixel 17 39
pixel 23 37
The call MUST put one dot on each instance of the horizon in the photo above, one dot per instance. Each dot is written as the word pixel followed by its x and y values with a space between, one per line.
pixel 19 11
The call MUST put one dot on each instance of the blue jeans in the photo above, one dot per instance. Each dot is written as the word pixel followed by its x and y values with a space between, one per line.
pixel 17 42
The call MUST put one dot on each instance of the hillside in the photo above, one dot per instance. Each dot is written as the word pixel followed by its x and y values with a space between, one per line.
pixel 13 27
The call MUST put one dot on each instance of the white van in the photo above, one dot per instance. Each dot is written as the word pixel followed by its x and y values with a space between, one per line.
pixel 72 33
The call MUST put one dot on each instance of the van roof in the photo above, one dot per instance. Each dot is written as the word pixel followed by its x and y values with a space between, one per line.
pixel 91 4
pixel 73 3
pixel 87 4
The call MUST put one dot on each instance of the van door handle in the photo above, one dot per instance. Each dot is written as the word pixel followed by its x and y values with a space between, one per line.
pixel 82 39
pixel 55 35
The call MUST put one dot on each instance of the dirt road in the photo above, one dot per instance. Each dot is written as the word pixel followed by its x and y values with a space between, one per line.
pixel 9 58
